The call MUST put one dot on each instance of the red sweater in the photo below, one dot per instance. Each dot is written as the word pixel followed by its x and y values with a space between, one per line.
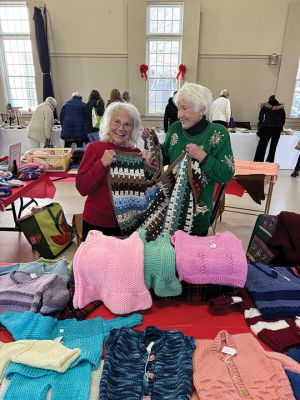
pixel 91 181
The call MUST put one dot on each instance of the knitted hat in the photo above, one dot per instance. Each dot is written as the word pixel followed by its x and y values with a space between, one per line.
pixel 218 259
pixel 159 265
pixel 112 270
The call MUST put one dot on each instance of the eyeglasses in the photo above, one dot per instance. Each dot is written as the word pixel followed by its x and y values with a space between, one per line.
pixel 119 124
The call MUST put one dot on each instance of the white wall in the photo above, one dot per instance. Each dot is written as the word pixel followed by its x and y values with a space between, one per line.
pixel 99 44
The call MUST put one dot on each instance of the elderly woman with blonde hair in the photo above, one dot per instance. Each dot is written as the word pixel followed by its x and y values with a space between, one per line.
pixel 205 142
pixel 119 131
pixel 41 124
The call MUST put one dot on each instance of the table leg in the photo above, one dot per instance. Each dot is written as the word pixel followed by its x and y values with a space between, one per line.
pixel 269 196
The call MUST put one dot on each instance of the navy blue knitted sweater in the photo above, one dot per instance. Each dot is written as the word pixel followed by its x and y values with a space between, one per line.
pixel 152 364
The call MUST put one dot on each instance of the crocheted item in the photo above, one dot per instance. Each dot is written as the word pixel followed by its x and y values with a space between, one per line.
pixel 154 364
pixel 22 291
pixel 218 259
pixel 112 270
pixel 255 167
pixel 130 179
pixel 236 367
pixel 43 266
pixel 47 354
pixel 259 248
pixel 174 204
pixel 30 383
pixel 275 291
pixel 162 204
pixel 159 265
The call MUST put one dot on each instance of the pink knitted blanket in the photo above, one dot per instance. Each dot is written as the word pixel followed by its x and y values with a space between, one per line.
pixel 254 167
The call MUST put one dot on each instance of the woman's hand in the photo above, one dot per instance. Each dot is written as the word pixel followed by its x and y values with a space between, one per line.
pixel 146 154
pixel 146 133
pixel 109 157
pixel 196 152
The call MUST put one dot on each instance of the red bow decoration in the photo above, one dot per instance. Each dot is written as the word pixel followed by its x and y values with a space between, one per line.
pixel 181 71
pixel 143 71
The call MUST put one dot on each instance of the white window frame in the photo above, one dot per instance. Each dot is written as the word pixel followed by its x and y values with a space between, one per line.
pixel 296 91
pixel 13 36
pixel 161 37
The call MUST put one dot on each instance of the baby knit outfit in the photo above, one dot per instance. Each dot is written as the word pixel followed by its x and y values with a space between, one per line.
pixel 112 270
pixel 218 259
pixel 154 364
pixel 22 291
pixel 159 265
pixel 28 383
pixel 232 367
pixel 47 354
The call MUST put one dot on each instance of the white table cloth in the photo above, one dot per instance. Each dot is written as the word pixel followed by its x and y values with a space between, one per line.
pixel 9 136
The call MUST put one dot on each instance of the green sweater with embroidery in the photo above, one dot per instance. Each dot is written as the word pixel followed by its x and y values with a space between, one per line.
pixel 217 168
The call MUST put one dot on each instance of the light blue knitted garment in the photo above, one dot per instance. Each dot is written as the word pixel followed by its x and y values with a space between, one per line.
pixel 29 383
pixel 43 266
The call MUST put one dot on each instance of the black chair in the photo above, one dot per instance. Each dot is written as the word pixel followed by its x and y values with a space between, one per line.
pixel 245 125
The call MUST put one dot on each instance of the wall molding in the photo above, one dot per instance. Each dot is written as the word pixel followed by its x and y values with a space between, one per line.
pixel 89 55
pixel 235 56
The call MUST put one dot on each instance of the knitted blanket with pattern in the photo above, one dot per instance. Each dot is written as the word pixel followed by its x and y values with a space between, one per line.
pixel 146 196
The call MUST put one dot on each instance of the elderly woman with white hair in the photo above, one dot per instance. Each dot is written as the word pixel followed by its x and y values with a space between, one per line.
pixel 204 141
pixel 41 124
pixel 119 131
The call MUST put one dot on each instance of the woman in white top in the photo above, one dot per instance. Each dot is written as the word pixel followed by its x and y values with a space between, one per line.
pixel 41 124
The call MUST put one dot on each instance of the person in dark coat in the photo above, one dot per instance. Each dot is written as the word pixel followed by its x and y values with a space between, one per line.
pixel 72 121
pixel 95 100
pixel 295 173
pixel 170 114
pixel 271 121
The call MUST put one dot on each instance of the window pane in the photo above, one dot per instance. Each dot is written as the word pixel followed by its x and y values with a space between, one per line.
pixel 163 55
pixel 161 27
pixel 153 13
pixel 168 46
pixel 161 13
pixel 168 27
pixel 164 20
pixel 19 62
pixel 153 26
pixel 176 13
pixel 169 14
pixel 295 109
pixel 176 27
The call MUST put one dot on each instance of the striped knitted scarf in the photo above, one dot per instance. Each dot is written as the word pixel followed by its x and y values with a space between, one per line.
pixel 144 195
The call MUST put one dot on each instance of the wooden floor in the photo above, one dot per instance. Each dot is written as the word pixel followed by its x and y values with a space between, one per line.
pixel 15 248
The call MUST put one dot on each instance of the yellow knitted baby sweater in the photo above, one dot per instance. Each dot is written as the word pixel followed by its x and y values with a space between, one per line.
pixel 47 354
